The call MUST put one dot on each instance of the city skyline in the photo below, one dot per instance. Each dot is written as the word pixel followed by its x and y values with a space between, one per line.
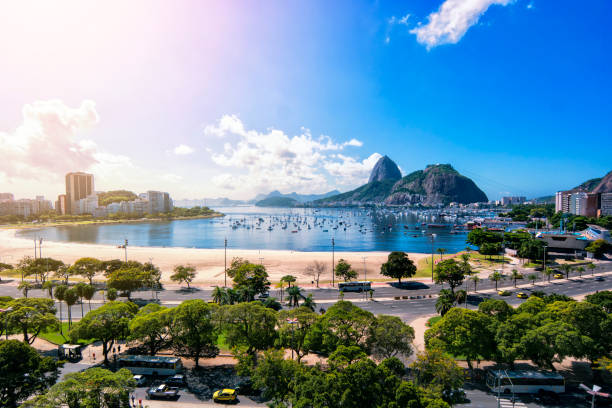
pixel 302 97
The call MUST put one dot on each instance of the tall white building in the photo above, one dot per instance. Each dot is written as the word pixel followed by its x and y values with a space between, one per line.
pixel 578 203
pixel 606 203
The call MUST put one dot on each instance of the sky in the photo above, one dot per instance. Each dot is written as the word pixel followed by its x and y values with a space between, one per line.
pixel 234 98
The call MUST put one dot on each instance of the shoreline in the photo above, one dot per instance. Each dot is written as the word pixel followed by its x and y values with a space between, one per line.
pixel 95 221
pixel 209 263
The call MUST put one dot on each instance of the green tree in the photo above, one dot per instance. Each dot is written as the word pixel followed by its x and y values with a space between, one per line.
pixel 192 330
pixel 60 293
pixel 599 247
pixel 23 372
pixel 548 272
pixel 250 279
pixel 566 269
pixel 344 356
pixel 398 266
pixel 435 369
pixel 80 291
pixel 532 277
pixel 25 287
pixel 111 294
pixel 348 324
pixel 88 293
pixel 445 302
pixel 390 337
pixel 275 376
pixel 218 295
pixel 249 325
pixel 479 236
pixel 602 299
pixel 107 323
pixel 184 274
pixel 31 317
pixel 91 388
pixel 463 332
pixel 496 277
pixel 294 294
pixel 150 327
pixel 532 250
pixel 549 343
pixel 496 308
pixel 344 270
pixel 126 280
pixel 591 267
pixel 449 271
pixel 490 248
pixel 294 328
pixel 441 251
pixel 87 268
pixel 475 279
pixel 515 275
pixel 289 280
pixel 48 286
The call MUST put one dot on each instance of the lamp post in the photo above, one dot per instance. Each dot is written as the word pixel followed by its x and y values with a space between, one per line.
pixel 433 238
pixel 333 261
pixel 544 261
pixel 225 264
pixel 365 275
pixel 125 247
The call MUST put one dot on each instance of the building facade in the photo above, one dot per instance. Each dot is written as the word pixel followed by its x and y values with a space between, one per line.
pixel 78 186
pixel 606 204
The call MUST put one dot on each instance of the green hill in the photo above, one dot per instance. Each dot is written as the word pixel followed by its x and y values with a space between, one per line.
pixel 115 196
pixel 277 202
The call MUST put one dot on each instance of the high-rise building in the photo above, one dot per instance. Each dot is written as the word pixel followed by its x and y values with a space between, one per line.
pixel 592 204
pixel 513 200
pixel 606 204
pixel 159 202
pixel 60 204
pixel 578 203
pixel 562 201
pixel 78 186
pixel 7 197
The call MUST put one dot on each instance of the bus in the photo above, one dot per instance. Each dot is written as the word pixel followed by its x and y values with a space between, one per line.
pixel 524 381
pixel 151 365
pixel 357 286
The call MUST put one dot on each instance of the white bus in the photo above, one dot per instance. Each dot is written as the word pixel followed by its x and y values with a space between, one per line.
pixel 524 381
pixel 151 365
pixel 357 286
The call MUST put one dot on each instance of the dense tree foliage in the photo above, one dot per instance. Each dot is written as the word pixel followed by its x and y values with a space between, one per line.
pixel 249 279
pixel 398 266
pixel 345 271
pixel 184 273
pixel 31 316
pixel 192 330
pixel 450 272
pixel 23 372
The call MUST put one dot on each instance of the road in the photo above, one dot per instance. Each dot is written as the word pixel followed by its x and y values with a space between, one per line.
pixel 407 309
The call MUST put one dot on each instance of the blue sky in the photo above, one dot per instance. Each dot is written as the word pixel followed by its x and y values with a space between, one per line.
pixel 206 99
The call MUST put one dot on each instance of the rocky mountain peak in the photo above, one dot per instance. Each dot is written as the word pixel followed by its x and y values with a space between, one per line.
pixel 385 169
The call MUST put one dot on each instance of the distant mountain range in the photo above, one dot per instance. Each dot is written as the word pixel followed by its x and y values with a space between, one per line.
pixel 292 199
pixel 594 185
pixel 436 184
pixel 300 198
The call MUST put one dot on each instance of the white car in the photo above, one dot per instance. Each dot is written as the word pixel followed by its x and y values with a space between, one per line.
pixel 162 391
pixel 140 380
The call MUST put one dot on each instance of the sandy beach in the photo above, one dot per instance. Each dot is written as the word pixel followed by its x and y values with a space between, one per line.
pixel 208 262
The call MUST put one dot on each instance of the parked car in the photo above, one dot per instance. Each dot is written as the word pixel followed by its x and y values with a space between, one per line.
pixel 177 380
pixel 559 276
pixel 163 391
pixel 503 292
pixel 225 395
pixel 599 279
pixel 140 380
pixel 522 295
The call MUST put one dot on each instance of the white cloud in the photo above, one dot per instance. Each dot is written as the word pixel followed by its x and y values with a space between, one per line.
pixel 263 161
pixel 183 149
pixel 349 171
pixel 452 20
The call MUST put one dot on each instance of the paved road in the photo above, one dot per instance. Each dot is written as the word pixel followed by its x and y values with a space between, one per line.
pixel 383 303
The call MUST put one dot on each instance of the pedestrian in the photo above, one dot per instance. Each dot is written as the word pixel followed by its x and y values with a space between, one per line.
pixel 133 404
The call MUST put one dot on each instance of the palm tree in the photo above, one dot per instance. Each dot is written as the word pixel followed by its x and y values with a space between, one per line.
pixel 548 272
pixel 49 285
pixel 218 294
pixel 580 270
pixel 70 297
pixel 294 294
pixel 460 296
pixel 60 291
pixel 289 279
pixel 309 302
pixel 515 275
pixel 25 287
pixel 441 251
pixel 80 291
pixel 445 302
pixel 566 270
pixel 496 277
pixel 475 279
pixel 88 293
pixel 532 277
pixel 592 267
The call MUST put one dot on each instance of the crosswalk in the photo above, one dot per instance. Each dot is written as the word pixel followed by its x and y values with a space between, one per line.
pixel 506 403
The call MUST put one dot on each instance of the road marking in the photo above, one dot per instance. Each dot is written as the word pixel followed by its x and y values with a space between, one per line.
pixel 506 403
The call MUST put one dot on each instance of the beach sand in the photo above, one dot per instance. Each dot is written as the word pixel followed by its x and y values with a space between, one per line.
pixel 209 263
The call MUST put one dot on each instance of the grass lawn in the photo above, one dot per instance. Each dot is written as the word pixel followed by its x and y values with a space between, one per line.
pixel 433 321
pixel 56 337
pixel 11 273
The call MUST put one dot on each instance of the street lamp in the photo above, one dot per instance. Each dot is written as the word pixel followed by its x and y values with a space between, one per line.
pixel 333 261
pixel 225 264
pixel 365 276
pixel 125 247
pixel 433 238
